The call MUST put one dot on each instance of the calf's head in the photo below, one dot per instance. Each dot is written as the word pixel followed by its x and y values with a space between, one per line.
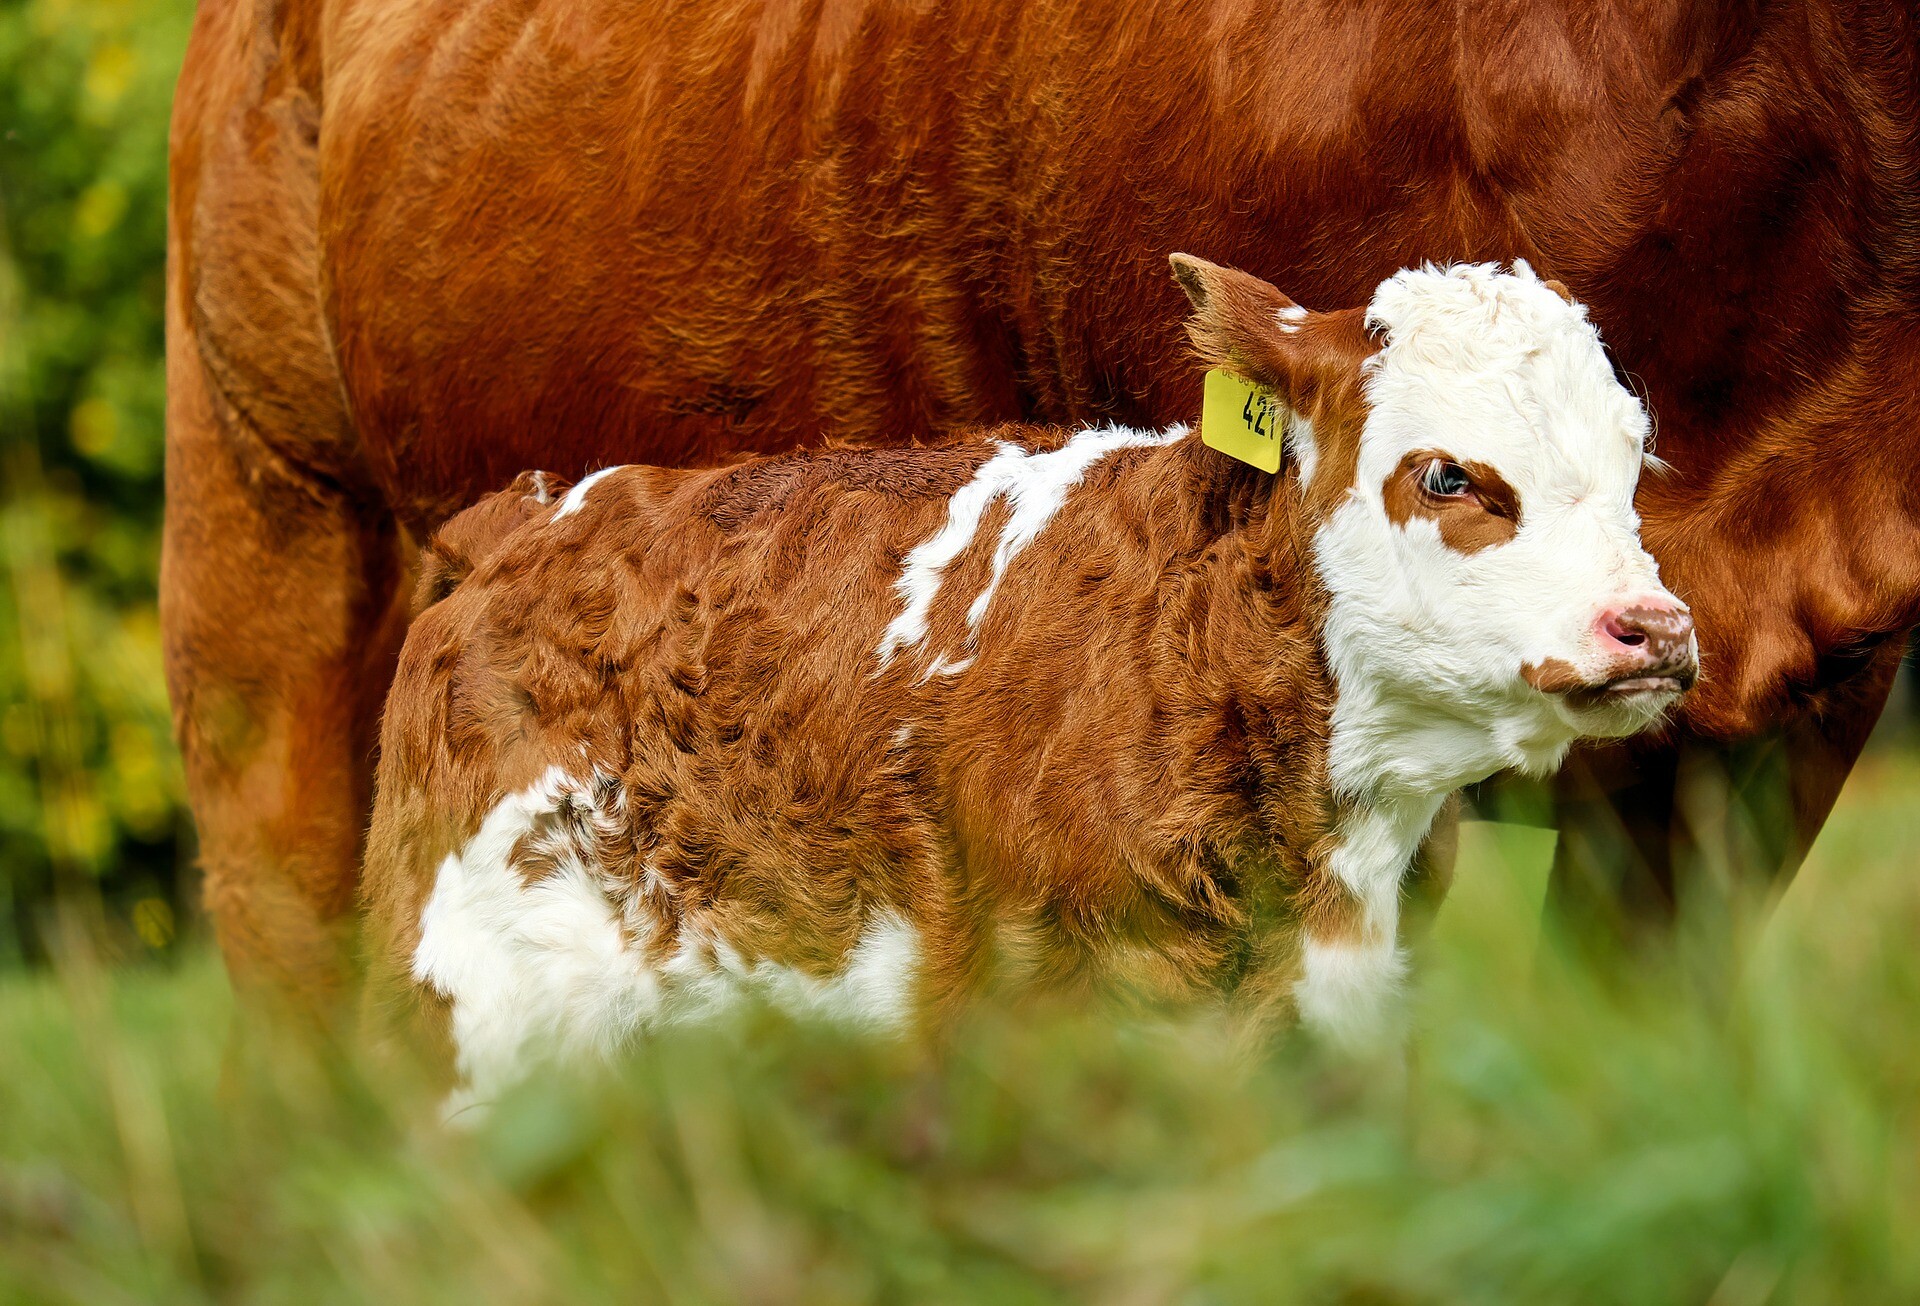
pixel 1468 460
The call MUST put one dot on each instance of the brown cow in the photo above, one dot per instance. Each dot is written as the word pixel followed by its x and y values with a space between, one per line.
pixel 419 246
pixel 856 728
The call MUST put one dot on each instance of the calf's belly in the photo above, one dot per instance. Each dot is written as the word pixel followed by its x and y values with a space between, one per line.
pixel 570 963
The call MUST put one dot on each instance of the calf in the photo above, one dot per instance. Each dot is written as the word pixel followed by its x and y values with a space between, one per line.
pixel 856 729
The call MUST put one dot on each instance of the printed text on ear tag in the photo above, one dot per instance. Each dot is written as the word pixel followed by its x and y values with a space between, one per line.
pixel 1241 421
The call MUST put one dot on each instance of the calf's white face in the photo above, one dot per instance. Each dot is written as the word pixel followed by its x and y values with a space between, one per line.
pixel 1490 599
pixel 1487 559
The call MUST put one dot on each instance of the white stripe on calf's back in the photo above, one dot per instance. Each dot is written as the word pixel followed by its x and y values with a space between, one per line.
pixel 1036 486
pixel 577 496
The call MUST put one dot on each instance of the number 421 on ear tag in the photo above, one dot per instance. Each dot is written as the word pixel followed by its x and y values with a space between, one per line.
pixel 1241 420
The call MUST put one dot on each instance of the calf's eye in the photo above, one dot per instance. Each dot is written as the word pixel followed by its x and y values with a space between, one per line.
pixel 1444 479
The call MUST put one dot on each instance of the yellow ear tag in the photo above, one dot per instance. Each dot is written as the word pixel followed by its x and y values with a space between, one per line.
pixel 1241 420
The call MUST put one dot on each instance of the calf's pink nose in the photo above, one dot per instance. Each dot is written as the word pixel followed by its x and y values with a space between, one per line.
pixel 1656 634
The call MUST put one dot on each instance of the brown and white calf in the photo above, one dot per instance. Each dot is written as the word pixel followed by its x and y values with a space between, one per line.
pixel 856 729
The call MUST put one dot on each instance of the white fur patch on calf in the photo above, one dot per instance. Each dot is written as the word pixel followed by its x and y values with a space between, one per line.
pixel 1348 987
pixel 526 963
pixel 945 666
pixel 549 968
pixel 1036 486
pixel 1348 991
pixel 577 496
pixel 1302 445
pixel 872 991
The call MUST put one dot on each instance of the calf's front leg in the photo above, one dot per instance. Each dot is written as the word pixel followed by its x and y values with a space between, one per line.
pixel 1351 962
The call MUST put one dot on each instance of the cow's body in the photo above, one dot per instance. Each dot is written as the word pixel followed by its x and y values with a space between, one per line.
pixel 420 246
pixel 859 728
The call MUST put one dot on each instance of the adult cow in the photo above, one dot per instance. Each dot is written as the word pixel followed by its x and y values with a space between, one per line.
pixel 420 245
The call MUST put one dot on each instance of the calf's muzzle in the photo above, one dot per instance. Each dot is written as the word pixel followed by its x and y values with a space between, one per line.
pixel 1651 645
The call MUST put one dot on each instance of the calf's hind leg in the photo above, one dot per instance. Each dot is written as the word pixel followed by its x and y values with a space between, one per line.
pixel 282 611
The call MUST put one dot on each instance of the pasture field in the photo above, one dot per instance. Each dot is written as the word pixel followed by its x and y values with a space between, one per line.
pixel 1549 1137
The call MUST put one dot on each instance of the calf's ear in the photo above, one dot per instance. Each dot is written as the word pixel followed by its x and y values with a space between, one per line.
pixel 1244 325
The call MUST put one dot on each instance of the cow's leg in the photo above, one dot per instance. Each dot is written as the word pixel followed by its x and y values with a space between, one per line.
pixel 1722 827
pixel 1821 749
pixel 281 618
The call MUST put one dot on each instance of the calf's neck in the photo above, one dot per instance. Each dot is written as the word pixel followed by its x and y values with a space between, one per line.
pixel 862 730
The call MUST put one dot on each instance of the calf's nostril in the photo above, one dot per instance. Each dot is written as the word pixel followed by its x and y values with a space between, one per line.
pixel 1621 628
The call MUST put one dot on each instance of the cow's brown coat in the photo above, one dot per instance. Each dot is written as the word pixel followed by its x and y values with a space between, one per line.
pixel 417 247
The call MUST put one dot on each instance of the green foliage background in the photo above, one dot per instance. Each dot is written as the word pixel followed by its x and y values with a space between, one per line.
pixel 89 780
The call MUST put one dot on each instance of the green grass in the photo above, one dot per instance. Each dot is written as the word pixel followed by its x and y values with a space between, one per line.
pixel 1551 1136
